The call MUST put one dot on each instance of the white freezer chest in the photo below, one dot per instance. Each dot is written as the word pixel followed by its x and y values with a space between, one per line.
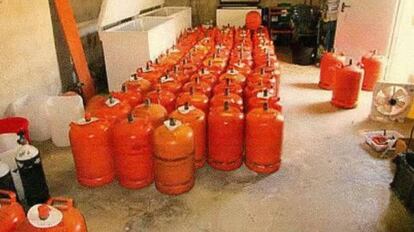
pixel 180 15
pixel 130 39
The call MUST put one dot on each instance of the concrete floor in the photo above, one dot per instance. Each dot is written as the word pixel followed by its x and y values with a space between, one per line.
pixel 328 181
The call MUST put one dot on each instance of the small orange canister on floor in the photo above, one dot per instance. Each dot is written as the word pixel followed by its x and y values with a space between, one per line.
pixel 174 157
pixel 347 86
pixel 225 137
pixel 264 139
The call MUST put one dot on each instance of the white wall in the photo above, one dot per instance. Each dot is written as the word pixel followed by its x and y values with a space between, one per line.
pixel 28 62
pixel 401 65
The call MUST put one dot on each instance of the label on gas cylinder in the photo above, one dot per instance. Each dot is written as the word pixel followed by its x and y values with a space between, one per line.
pixel 165 79
pixel 262 95
pixel 185 110
pixel 112 102
pixel 170 127
pixel 233 72
pixel 54 218
pixel 83 121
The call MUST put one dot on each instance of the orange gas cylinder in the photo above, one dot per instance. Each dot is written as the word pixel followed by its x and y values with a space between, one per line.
pixel 174 157
pixel 11 212
pixel 233 99
pixel 264 139
pixel 235 76
pixel 374 67
pixel 206 76
pixel 199 86
pixel 197 99
pixel 347 86
pixel 188 67
pixel 112 109
pixel 243 68
pixel 164 98
pixel 136 83
pixel 179 75
pixel 150 73
pixel 228 84
pixel 253 88
pixel 330 62
pixel 57 215
pixel 92 153
pixel 195 119
pixel 253 20
pixel 225 137
pixel 155 112
pixel 132 97
pixel 131 142
pixel 170 84
pixel 265 96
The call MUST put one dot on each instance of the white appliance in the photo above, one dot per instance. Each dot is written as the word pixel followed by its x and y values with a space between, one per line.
pixel 392 102
pixel 130 39
pixel 233 16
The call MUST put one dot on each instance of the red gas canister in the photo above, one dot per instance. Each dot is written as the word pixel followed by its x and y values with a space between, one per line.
pixel 330 63
pixel 174 157
pixel 164 98
pixel 374 67
pixel 91 148
pixel 57 215
pixel 170 84
pixel 11 212
pixel 235 76
pixel 233 99
pixel 225 137
pixel 133 97
pixel 138 84
pixel 111 109
pixel 347 86
pixel 264 139
pixel 199 86
pixel 155 112
pixel 265 96
pixel 132 146
pixel 197 99
pixel 234 87
pixel 195 119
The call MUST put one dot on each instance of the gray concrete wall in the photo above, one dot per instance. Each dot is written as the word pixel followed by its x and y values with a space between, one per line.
pixel 28 63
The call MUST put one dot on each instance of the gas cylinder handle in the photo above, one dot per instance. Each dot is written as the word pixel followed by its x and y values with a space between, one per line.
pixel 147 102
pixel 60 202
pixel 10 195
pixel 124 88
pixel 134 76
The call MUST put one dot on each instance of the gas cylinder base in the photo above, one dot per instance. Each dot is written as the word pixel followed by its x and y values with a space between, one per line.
pixel 324 86
pixel 175 190
pixel 200 163
pixel 225 166
pixel 97 182
pixel 343 105
pixel 263 168
pixel 131 184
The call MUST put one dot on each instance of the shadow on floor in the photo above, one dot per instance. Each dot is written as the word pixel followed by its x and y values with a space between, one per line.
pixel 396 218
pixel 307 86
pixel 321 108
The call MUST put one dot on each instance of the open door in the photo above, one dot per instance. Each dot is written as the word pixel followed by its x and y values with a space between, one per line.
pixel 365 25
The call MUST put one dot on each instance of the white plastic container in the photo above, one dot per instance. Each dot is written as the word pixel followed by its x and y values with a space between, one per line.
pixel 33 108
pixel 62 111
pixel 130 39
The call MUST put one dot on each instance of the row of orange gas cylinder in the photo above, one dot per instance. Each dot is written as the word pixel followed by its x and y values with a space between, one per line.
pixel 218 103
pixel 58 214
pixel 346 80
